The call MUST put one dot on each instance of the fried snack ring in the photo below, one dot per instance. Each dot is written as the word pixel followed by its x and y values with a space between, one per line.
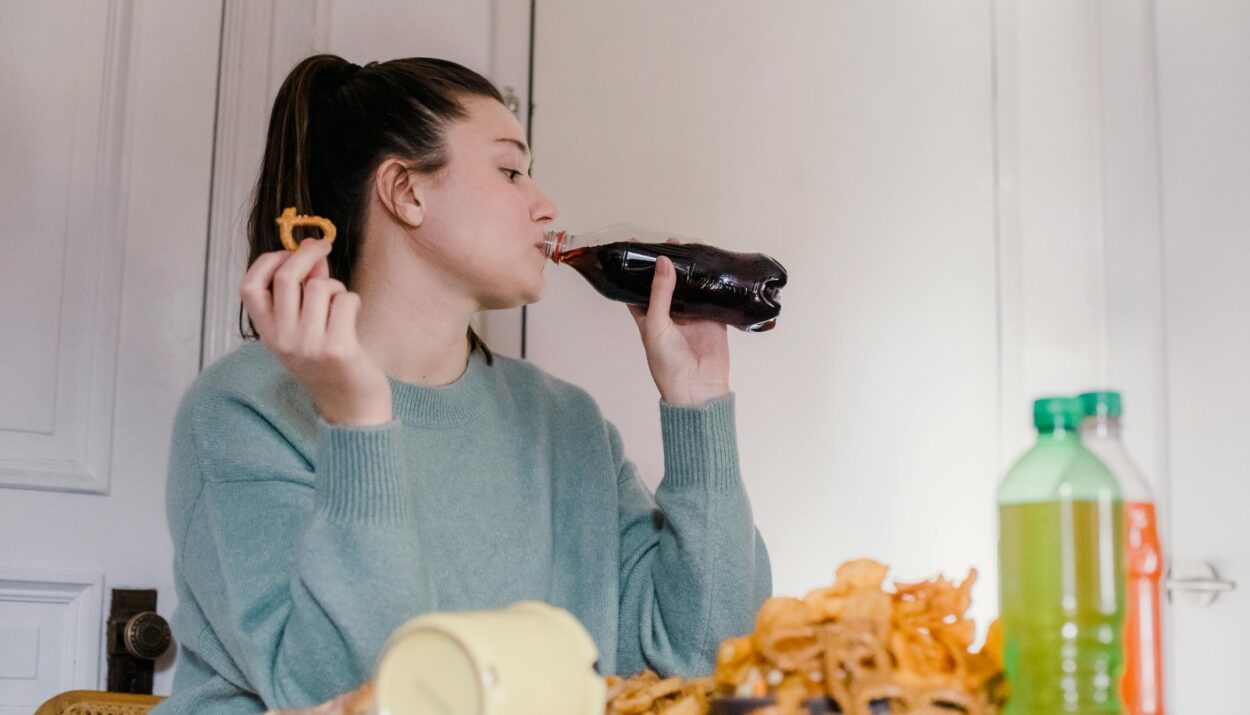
pixel 704 686
pixel 692 700
pixel 784 611
pixel 792 647
pixel 685 705
pixel 643 692
pixel 734 661
pixel 642 700
pixel 856 661
pixel 289 220
pixel 863 698
pixel 614 685
pixel 944 701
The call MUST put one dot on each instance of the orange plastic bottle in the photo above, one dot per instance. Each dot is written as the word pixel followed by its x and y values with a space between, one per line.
pixel 1142 682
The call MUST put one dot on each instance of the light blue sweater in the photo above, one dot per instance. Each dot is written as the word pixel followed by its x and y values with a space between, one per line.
pixel 300 546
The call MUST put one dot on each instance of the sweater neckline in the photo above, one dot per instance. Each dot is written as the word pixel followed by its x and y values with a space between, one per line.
pixel 447 405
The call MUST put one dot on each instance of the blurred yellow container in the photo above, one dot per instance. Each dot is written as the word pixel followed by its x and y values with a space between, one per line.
pixel 528 659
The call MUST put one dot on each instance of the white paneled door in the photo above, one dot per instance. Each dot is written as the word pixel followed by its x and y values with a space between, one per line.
pixel 106 136
pixel 1204 100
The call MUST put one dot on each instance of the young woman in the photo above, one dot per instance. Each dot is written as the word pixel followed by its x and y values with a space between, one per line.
pixel 365 458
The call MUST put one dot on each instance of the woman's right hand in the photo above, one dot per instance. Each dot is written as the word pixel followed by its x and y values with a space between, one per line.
pixel 308 321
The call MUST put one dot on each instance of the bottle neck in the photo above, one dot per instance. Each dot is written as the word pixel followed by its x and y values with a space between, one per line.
pixel 1057 433
pixel 1102 427
pixel 556 243
pixel 562 242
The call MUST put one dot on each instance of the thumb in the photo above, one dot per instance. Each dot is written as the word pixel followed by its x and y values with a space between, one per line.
pixel 662 286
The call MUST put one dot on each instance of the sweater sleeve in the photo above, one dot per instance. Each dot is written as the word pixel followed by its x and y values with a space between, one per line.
pixel 694 571
pixel 277 551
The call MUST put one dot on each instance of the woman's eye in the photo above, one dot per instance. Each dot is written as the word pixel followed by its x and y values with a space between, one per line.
pixel 512 174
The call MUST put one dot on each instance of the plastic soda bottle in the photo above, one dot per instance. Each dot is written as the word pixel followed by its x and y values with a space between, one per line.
pixel 1061 572
pixel 738 289
pixel 1142 684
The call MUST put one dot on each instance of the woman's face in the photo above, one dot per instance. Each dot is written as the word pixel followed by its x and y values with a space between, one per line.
pixel 484 214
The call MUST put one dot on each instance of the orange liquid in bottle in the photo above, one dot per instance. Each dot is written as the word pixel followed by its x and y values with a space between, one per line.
pixel 1142 684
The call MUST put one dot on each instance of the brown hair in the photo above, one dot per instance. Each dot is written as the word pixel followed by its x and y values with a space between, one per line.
pixel 333 124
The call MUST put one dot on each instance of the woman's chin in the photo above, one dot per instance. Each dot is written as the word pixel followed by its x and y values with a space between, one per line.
pixel 535 293
pixel 526 296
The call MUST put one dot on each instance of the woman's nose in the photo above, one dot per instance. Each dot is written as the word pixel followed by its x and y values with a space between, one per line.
pixel 545 209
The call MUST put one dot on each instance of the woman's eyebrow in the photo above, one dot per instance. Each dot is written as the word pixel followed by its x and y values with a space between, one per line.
pixel 519 145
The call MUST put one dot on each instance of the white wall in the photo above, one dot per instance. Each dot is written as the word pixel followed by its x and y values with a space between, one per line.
pixel 386 29
pixel 947 184
pixel 853 142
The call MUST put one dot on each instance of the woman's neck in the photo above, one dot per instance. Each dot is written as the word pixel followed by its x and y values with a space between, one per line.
pixel 421 352
pixel 412 326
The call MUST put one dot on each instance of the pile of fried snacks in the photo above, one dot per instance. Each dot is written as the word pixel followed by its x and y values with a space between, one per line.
pixel 872 650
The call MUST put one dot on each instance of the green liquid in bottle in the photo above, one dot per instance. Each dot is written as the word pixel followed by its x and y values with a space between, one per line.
pixel 1061 576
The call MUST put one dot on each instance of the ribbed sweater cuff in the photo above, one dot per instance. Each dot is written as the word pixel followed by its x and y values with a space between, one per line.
pixel 701 444
pixel 361 473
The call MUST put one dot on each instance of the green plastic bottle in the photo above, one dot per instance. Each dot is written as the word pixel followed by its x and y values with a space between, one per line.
pixel 1061 572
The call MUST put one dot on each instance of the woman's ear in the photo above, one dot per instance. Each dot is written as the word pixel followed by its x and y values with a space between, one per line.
pixel 400 191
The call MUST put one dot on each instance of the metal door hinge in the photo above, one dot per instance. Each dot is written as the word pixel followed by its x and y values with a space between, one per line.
pixel 511 101
pixel 1199 581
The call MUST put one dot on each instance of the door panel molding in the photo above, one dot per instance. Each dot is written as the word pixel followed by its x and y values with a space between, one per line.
pixel 56 617
pixel 59 435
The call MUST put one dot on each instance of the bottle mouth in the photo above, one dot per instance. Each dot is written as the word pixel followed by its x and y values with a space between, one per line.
pixel 771 288
pixel 770 291
pixel 554 240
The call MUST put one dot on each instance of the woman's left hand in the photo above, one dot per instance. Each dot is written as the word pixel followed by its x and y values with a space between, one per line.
pixel 689 359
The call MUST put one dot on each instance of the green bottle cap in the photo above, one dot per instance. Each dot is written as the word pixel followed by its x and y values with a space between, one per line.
pixel 1050 413
pixel 1104 403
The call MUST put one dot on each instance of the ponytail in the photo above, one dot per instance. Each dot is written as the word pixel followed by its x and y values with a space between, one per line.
pixel 333 123
pixel 284 174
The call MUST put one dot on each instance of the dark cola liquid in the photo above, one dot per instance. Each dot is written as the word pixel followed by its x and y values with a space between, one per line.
pixel 738 289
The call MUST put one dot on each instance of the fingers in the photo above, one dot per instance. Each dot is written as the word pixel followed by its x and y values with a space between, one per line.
pixel 321 269
pixel 314 315
pixel 657 316
pixel 274 289
pixel 254 289
pixel 288 283
pixel 341 327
